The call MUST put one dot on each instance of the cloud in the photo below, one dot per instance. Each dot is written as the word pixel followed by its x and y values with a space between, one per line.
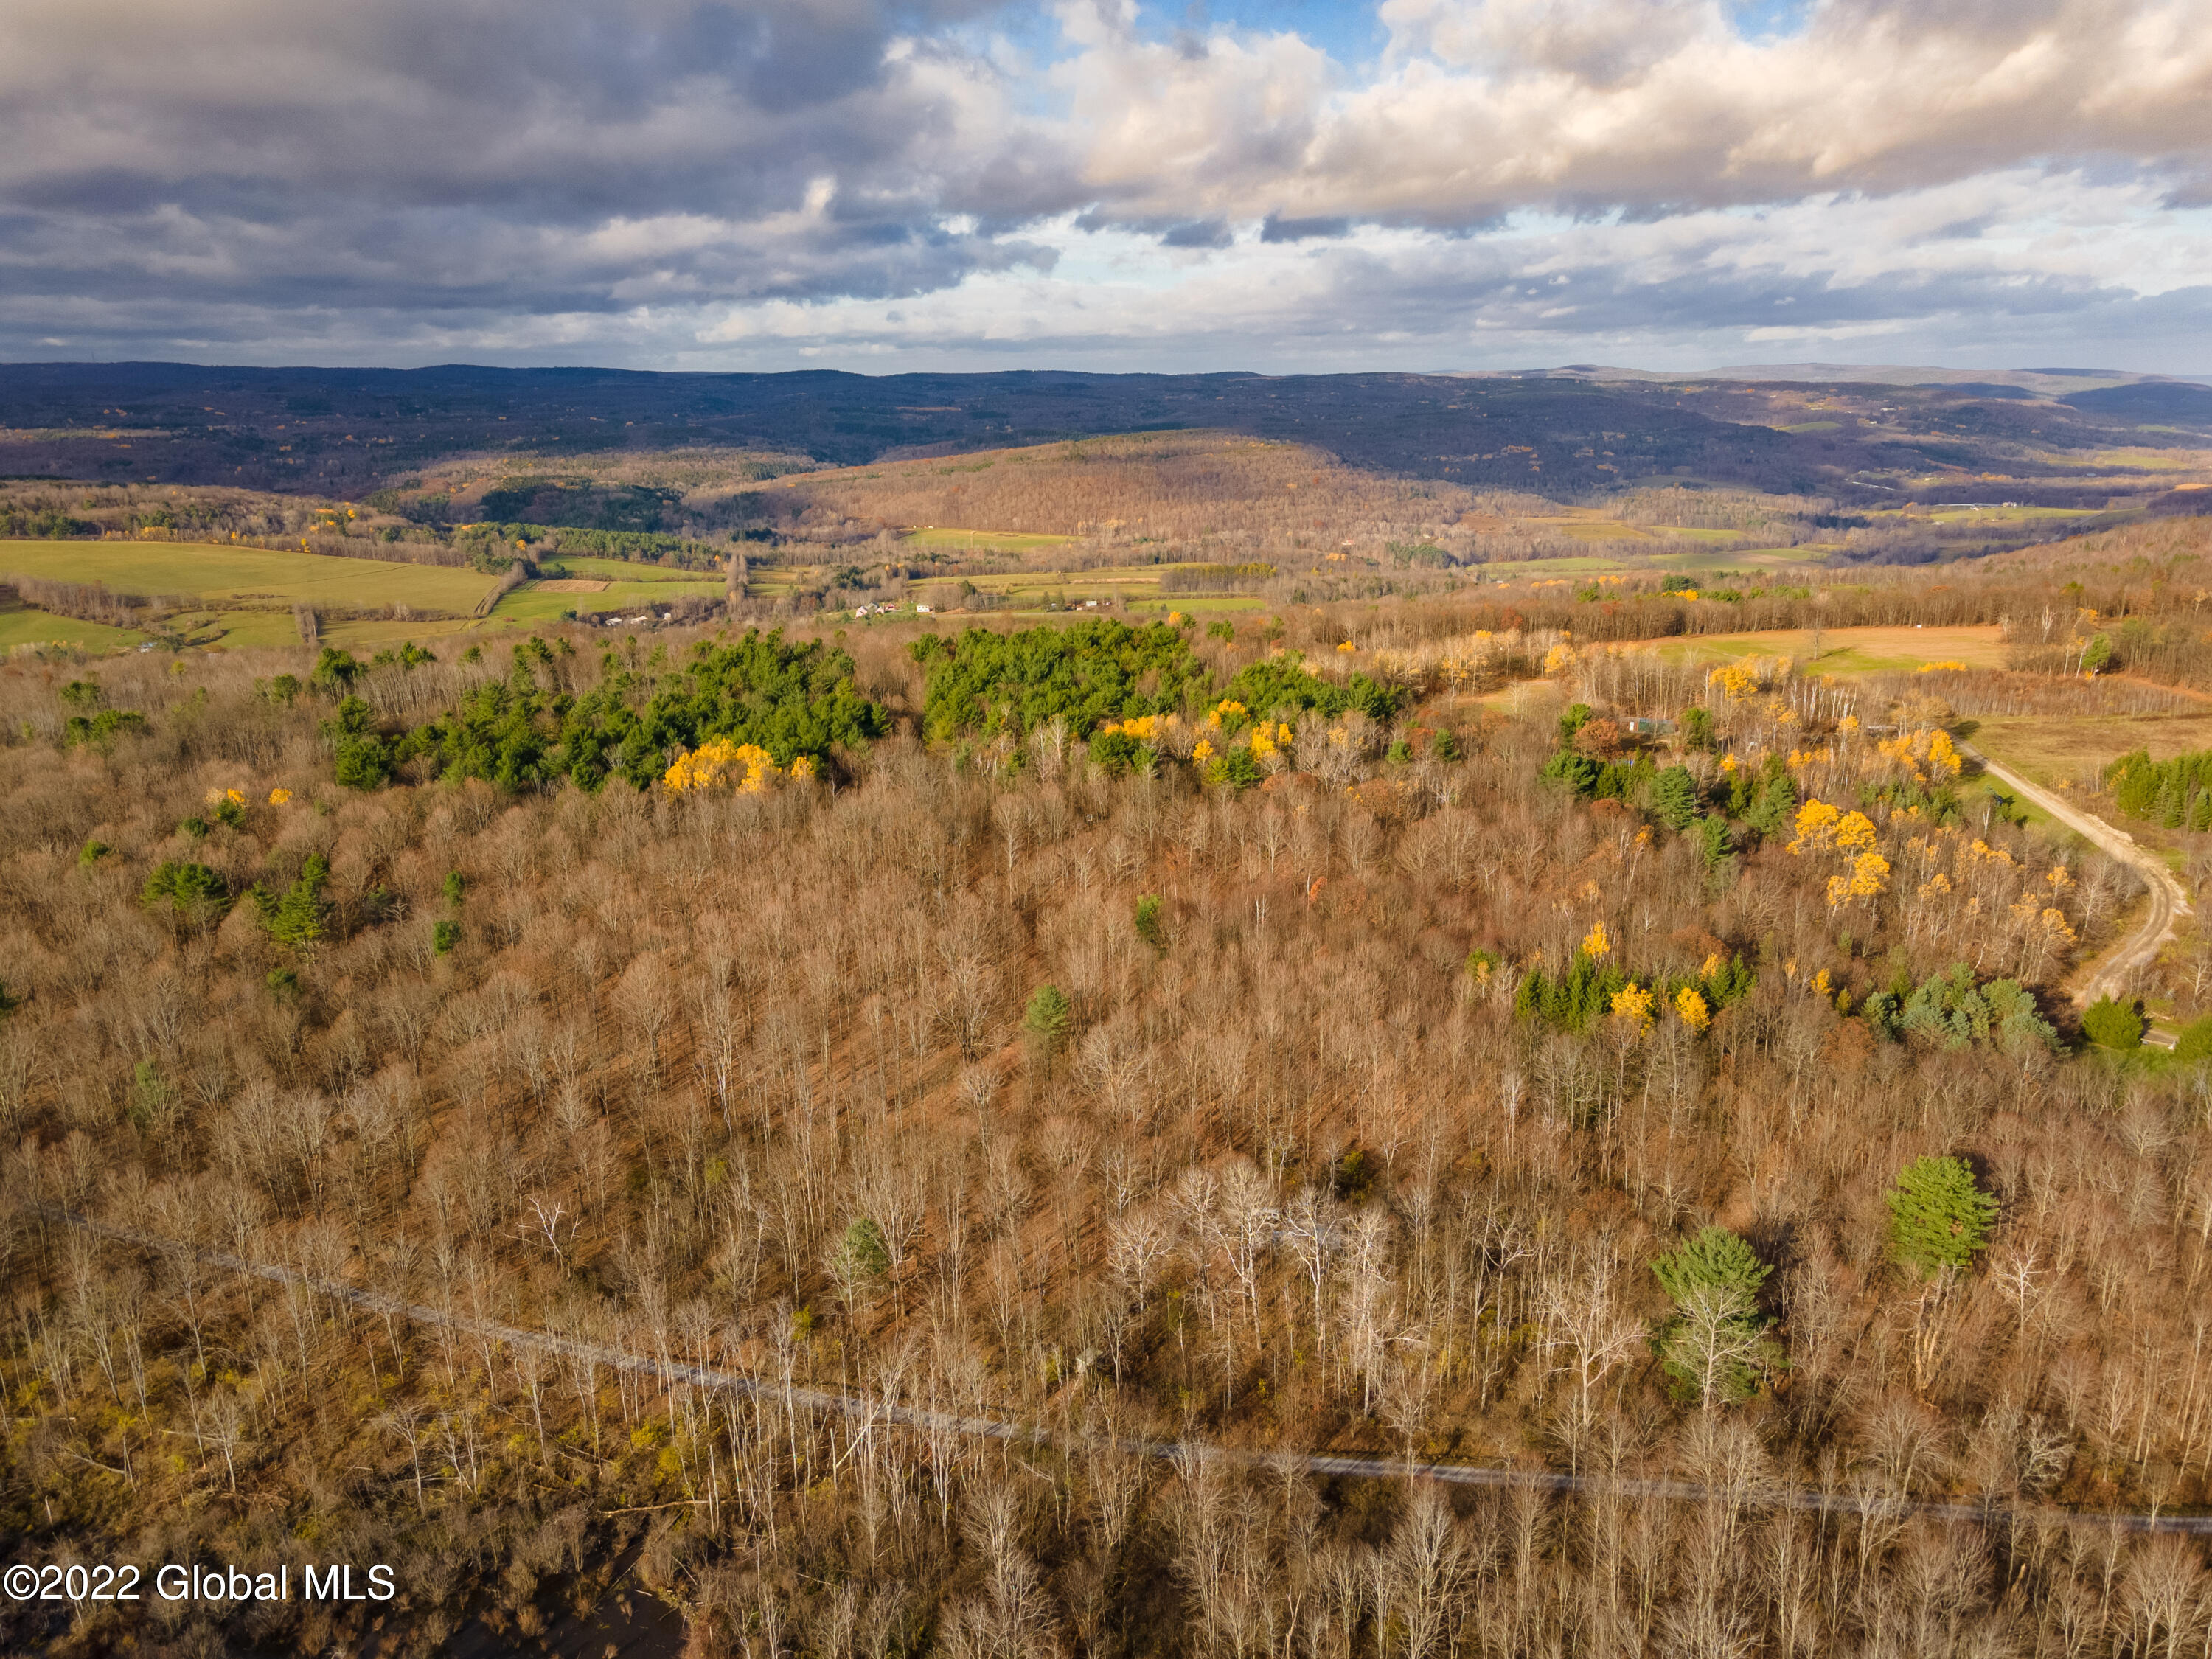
pixel 2006 263
pixel 411 155
pixel 1481 109
pixel 764 181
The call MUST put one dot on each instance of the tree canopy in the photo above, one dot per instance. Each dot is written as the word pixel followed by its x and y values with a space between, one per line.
pixel 1939 1217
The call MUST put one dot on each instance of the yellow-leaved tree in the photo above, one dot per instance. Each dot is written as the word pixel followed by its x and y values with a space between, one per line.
pixel 719 764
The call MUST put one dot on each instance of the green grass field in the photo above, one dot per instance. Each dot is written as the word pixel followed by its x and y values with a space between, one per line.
pixel 21 626
pixel 2010 514
pixel 1195 605
pixel 246 572
pixel 2151 460
pixel 1597 529
pixel 260 586
pixel 619 570
pixel 531 604
pixel 1715 538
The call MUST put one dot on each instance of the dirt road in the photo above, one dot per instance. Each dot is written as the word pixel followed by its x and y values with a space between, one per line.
pixel 2125 962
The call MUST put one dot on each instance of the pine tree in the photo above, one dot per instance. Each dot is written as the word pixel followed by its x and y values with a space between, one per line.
pixel 1939 1219
pixel 1674 798
pixel 1716 1345
pixel 295 917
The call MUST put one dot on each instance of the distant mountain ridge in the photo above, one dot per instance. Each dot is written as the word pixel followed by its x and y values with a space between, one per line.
pixel 2048 382
pixel 1857 435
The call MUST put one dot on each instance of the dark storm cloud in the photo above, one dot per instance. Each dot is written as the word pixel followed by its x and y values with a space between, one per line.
pixel 548 157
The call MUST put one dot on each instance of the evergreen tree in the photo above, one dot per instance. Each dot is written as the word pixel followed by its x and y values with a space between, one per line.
pixel 1711 834
pixel 1046 1018
pixel 1939 1219
pixel 2112 1023
pixel 1716 1346
pixel 295 916
pixel 1674 798
pixel 1713 1256
pixel 1770 812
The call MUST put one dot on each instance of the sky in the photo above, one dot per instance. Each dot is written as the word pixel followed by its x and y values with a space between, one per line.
pixel 1280 186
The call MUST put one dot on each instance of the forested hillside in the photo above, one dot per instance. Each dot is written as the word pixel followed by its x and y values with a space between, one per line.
pixel 680 1095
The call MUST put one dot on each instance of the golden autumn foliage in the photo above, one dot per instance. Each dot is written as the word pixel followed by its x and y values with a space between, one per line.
pixel 1928 755
pixel 1868 878
pixel 1269 738
pixel 719 764
pixel 1632 1005
pixel 1822 827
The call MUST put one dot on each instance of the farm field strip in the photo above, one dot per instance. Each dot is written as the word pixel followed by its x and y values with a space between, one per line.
pixel 24 626
pixel 1845 650
pixel 2050 752
pixel 560 566
pixel 215 572
pixel 533 603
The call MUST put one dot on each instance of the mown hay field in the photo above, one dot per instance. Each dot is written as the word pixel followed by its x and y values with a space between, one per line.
pixel 22 625
pixel 247 573
pixel 536 602
pixel 564 566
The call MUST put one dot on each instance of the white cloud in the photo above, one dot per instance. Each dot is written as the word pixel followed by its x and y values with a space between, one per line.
pixel 667 181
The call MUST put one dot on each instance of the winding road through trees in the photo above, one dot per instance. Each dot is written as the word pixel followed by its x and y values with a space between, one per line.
pixel 2124 963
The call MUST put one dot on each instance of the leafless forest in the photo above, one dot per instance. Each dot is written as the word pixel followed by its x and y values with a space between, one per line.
pixel 765 1081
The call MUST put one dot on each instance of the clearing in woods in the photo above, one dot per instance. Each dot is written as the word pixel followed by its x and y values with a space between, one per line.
pixel 1845 650
pixel 2075 752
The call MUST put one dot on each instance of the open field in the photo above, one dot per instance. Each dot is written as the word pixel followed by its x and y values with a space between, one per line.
pixel 1592 525
pixel 563 566
pixel 1966 512
pixel 2054 751
pixel 20 625
pixel 1606 530
pixel 247 573
pixel 1847 650
pixel 534 602
pixel 2154 460
pixel 248 593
